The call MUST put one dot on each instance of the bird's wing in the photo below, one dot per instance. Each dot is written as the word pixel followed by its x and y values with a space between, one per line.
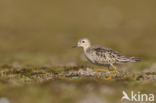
pixel 104 55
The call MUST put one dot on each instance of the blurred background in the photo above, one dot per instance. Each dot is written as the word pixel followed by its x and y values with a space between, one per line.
pixel 41 32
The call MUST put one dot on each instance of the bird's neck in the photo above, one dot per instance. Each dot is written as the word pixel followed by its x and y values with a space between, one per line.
pixel 86 48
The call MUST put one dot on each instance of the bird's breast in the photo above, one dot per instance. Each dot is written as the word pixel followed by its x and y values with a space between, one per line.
pixel 89 57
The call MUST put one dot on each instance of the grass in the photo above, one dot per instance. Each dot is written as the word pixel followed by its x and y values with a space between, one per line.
pixel 38 65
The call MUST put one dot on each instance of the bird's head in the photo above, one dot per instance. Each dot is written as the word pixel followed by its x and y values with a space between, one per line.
pixel 84 42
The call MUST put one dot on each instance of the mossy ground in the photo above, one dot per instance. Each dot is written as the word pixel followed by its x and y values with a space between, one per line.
pixel 57 84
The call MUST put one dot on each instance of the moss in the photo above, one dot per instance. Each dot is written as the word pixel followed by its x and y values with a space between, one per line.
pixel 54 82
pixel 151 73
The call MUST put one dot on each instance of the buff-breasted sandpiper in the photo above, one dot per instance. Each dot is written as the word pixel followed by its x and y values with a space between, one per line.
pixel 103 56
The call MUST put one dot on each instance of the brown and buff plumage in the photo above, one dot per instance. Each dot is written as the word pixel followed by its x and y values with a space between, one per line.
pixel 103 56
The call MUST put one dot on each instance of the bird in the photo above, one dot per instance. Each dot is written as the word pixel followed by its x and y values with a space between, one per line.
pixel 103 56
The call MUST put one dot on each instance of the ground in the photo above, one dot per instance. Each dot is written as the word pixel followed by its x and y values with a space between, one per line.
pixel 71 84
pixel 37 64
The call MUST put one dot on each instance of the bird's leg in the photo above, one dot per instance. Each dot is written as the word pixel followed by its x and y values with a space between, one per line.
pixel 96 70
pixel 112 72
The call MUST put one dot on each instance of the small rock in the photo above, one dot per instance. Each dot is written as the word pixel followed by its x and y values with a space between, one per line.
pixel 49 78
pixel 75 78
pixel 147 77
pixel 86 72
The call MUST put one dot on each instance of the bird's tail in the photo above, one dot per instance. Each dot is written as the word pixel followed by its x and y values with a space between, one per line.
pixel 135 59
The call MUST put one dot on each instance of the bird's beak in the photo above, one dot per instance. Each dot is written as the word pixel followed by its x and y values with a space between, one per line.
pixel 75 46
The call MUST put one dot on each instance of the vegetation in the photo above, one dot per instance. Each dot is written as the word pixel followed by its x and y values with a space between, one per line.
pixel 38 65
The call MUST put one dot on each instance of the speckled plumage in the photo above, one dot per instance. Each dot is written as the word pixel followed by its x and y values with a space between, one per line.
pixel 105 56
pixel 100 55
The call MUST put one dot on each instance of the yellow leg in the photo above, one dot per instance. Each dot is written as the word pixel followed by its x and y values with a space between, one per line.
pixel 112 72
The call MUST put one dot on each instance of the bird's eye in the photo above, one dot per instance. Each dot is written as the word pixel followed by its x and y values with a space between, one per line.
pixel 83 41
